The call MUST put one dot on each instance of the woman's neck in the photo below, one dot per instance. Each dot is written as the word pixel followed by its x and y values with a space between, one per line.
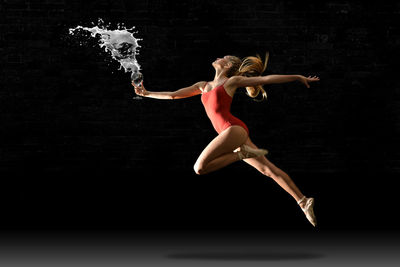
pixel 219 77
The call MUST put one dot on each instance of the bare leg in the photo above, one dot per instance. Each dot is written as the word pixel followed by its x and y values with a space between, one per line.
pixel 219 152
pixel 267 168
pixel 221 162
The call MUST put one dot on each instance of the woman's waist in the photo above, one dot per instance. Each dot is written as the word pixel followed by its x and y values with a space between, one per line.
pixel 220 115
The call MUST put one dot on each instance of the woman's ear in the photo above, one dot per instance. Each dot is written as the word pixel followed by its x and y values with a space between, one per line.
pixel 228 65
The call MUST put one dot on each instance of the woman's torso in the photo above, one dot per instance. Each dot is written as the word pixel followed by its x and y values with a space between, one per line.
pixel 217 103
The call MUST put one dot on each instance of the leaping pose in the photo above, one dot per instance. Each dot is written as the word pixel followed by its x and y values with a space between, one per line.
pixel 233 142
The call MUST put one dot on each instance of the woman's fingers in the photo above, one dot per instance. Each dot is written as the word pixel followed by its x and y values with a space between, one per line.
pixel 136 86
pixel 139 90
pixel 306 80
pixel 312 78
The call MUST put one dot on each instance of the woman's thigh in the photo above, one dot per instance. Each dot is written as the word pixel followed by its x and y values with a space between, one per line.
pixel 227 141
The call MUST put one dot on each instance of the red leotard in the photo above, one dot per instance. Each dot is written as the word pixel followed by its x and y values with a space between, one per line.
pixel 217 104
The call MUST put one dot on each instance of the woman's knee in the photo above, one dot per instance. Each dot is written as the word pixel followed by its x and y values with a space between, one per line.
pixel 274 173
pixel 270 171
pixel 267 172
pixel 198 168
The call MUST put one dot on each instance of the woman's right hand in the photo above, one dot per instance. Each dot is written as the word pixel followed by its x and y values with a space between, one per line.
pixel 140 90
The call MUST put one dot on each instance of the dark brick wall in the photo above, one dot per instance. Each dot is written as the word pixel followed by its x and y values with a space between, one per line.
pixel 66 109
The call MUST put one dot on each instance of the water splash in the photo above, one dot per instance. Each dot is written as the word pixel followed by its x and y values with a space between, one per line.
pixel 121 43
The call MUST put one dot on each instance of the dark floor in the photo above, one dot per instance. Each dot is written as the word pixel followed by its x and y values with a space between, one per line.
pixel 200 248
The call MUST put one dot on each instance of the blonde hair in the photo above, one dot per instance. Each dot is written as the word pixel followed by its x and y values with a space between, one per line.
pixel 249 67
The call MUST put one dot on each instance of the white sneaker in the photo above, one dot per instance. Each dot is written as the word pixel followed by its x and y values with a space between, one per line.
pixel 308 209
pixel 249 152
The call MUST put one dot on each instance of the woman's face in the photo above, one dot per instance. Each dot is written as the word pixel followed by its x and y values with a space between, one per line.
pixel 221 62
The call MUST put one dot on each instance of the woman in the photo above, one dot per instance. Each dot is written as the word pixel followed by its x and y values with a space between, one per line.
pixel 233 142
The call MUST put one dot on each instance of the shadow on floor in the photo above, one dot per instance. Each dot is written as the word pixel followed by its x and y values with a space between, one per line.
pixel 263 256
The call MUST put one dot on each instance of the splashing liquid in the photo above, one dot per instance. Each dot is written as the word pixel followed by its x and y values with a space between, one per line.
pixel 120 43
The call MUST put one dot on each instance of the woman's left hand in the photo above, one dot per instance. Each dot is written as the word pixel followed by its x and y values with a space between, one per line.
pixel 306 80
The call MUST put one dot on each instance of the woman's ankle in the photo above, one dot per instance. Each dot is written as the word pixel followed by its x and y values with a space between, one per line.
pixel 302 201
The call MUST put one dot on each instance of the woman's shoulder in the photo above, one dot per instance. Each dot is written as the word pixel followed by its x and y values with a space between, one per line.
pixel 231 85
pixel 201 85
pixel 233 80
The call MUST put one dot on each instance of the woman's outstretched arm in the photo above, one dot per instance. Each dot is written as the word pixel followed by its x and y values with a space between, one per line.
pixel 241 81
pixel 178 94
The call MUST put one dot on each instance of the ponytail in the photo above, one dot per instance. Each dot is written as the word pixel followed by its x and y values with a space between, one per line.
pixel 250 67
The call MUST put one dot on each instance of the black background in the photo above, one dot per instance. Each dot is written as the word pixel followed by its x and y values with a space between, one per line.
pixel 78 152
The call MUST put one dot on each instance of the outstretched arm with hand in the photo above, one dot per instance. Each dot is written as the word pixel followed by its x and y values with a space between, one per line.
pixel 178 94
